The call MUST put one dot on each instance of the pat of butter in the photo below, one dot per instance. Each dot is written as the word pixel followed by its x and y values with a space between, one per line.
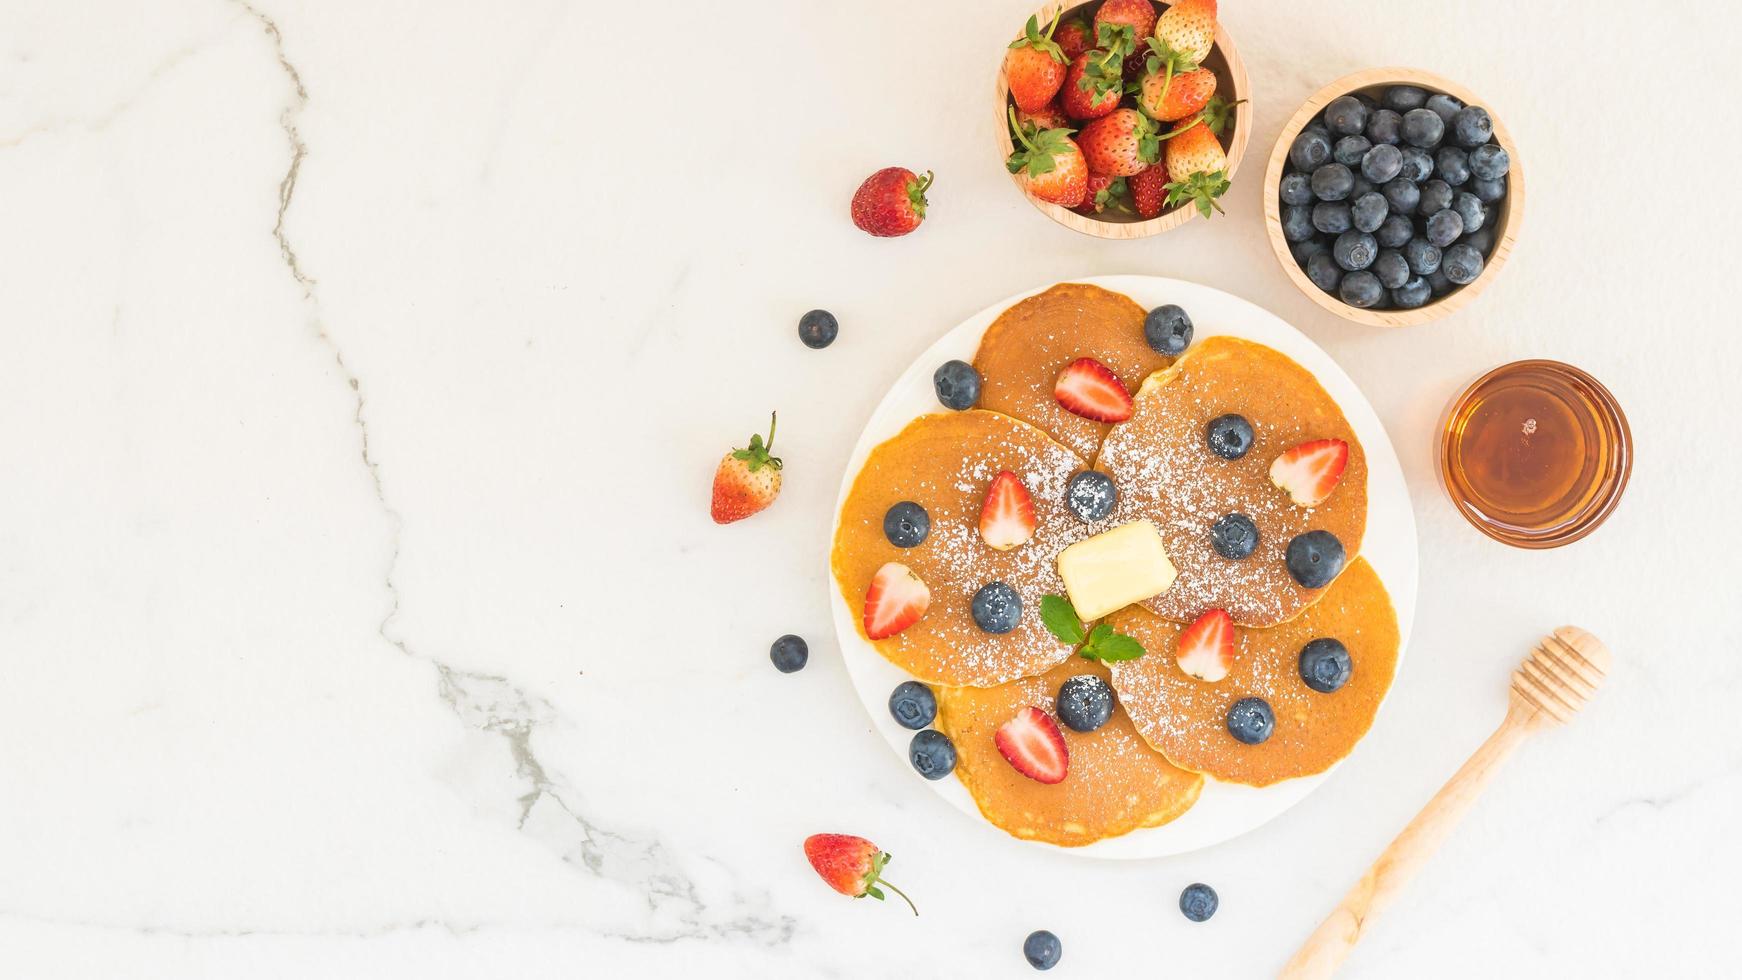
pixel 1115 568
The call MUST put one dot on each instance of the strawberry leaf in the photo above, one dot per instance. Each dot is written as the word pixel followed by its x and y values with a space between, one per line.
pixel 1060 618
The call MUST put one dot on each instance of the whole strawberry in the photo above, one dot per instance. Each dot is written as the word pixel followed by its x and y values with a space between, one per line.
pixel 1189 92
pixel 851 865
pixel 1049 116
pixel 747 480
pixel 1139 15
pixel 1197 166
pixel 1074 37
pixel 1048 164
pixel 1119 144
pixel 1148 190
pixel 1105 193
pixel 1093 85
pixel 1184 34
pixel 891 202
pixel 1035 66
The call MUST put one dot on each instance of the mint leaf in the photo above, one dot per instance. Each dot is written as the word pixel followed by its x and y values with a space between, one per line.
pixel 1060 619
pixel 1119 647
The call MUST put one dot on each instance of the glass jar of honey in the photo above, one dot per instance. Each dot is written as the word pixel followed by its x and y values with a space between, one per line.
pixel 1536 453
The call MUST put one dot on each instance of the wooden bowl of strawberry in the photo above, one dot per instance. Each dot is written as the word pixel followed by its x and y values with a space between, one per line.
pixel 1123 118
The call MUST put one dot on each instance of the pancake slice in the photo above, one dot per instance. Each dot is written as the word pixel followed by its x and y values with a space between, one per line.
pixel 1186 719
pixel 1167 474
pixel 1025 349
pixel 1115 784
pixel 945 463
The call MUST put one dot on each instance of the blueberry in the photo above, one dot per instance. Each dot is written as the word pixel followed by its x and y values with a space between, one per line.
pixel 1402 196
pixel 1234 536
pixel 1369 211
pixel 1382 163
pixel 789 653
pixel 1462 264
pixel 1367 100
pixel 1085 702
pixel 1324 272
pixel 1361 185
pixel 1453 165
pixel 1385 127
pixel 817 329
pixel 1361 289
pixel 913 705
pixel 1482 239
pixel 1391 268
pixel 1488 190
pixel 1346 115
pixel 1444 106
pixel 1411 294
pixel 1314 558
pixel 1471 209
pixel 1423 128
pixel 1332 217
pixel 1310 150
pixel 1444 227
pixel 1168 330
pixel 957 384
pixel 1349 150
pixel 1198 902
pixel 996 608
pixel 1438 283
pixel 1251 721
pixel 1297 188
pixel 932 753
pixel 1423 256
pixel 1489 162
pixel 1332 182
pixel 1091 495
pixel 1304 251
pixel 1394 231
pixel 1297 222
pixel 1324 665
pixel 1404 97
pixel 1229 436
pixel 1471 126
pixel 1418 164
pixel 1436 195
pixel 1354 250
pixel 1042 949
pixel 906 524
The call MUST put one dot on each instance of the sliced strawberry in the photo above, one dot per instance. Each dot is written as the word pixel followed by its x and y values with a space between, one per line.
pixel 1007 518
pixel 1311 470
pixel 1089 389
pixel 1032 743
pixel 1205 649
pixel 896 600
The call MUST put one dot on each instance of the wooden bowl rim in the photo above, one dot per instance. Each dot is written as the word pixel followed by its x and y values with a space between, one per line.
pixel 1167 220
pixel 1506 233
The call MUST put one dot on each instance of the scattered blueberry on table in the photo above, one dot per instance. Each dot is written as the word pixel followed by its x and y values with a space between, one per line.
pixel 789 653
pixel 1414 172
pixel 1042 949
pixel 1198 901
pixel 817 329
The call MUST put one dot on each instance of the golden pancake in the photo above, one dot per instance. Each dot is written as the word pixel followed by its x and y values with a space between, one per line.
pixel 1167 474
pixel 1186 719
pixel 1023 351
pixel 1115 783
pixel 944 463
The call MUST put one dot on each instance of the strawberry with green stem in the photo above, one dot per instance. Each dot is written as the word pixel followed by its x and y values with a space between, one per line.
pixel 1074 37
pixel 1101 643
pixel 1119 144
pixel 1197 166
pixel 1048 164
pixel 747 480
pixel 1184 35
pixel 851 865
pixel 1035 66
pixel 1105 194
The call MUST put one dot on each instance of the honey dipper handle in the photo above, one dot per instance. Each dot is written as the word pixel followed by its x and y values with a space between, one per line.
pixel 1324 951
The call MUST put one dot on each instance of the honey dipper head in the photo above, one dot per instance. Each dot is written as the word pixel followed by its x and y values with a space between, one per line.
pixel 1562 673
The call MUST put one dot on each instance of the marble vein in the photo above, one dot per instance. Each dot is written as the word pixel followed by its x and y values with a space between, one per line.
pixel 491 703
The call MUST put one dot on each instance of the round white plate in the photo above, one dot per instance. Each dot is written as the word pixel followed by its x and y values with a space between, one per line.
pixel 1225 810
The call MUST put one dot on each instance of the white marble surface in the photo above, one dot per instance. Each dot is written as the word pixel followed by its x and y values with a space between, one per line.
pixel 363 369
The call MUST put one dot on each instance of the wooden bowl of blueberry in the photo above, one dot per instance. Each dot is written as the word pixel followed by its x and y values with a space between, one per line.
pixel 1393 197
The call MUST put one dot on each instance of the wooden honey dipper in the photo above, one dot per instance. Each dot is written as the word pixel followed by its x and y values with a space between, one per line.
pixel 1552 684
